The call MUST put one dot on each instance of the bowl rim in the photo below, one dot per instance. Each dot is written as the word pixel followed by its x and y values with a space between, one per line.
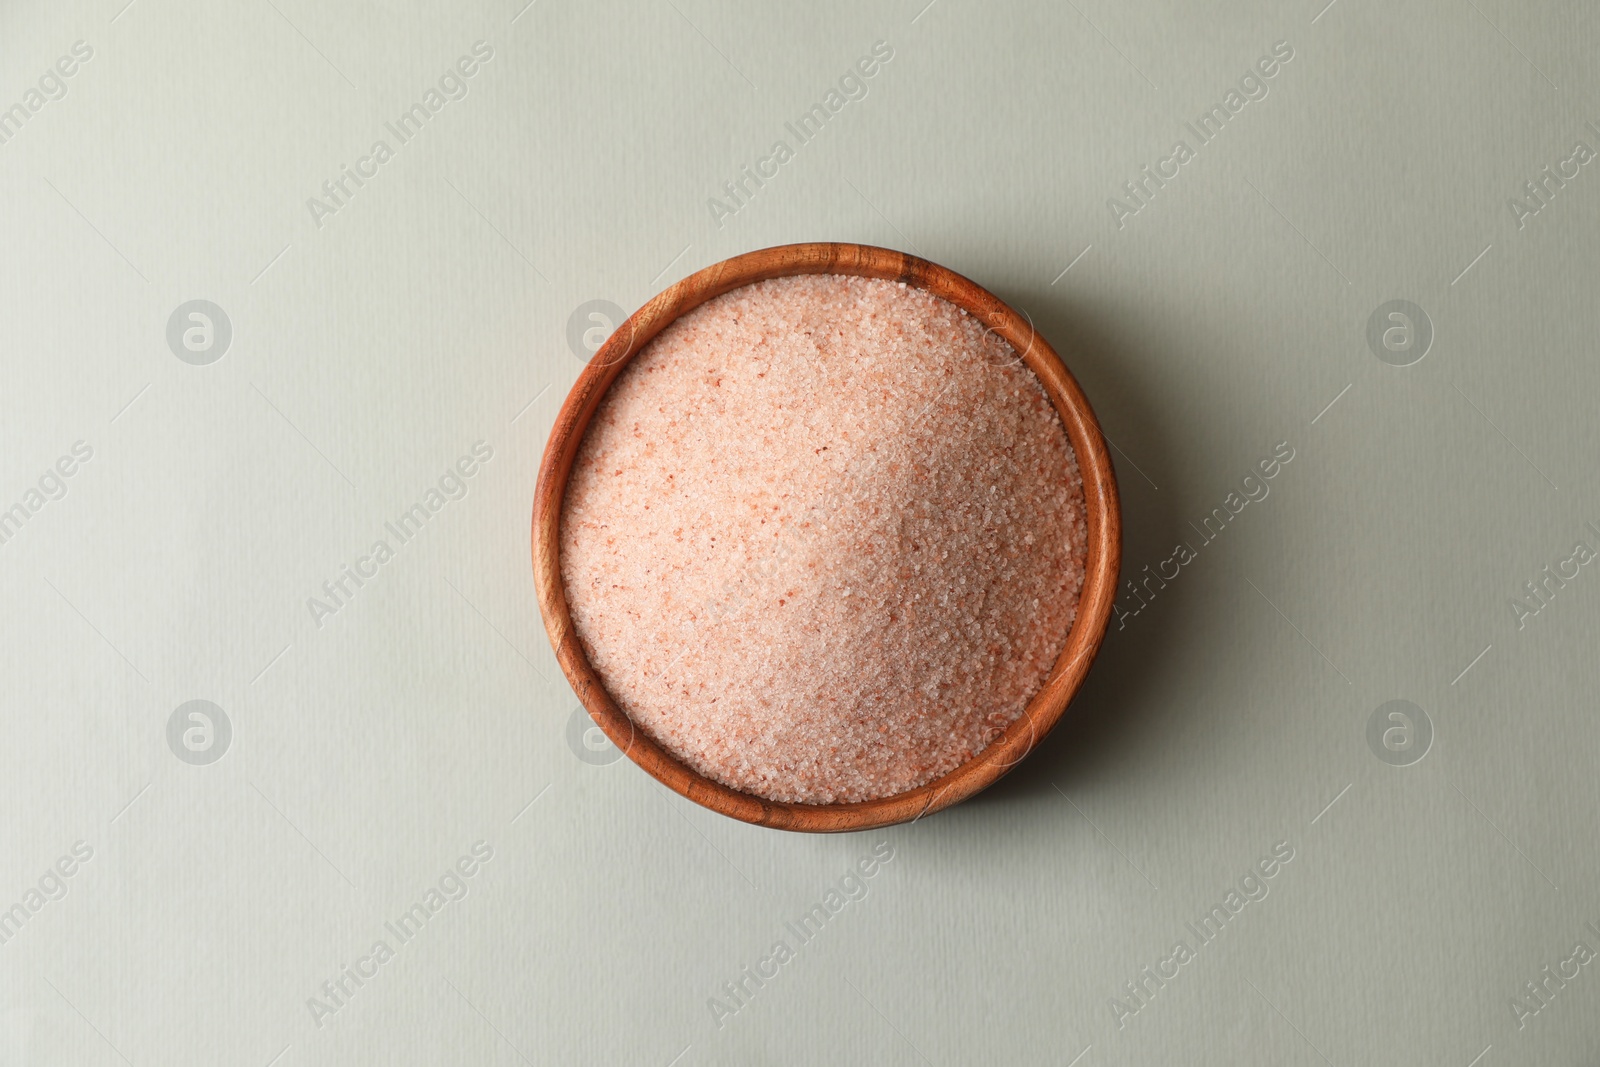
pixel 1101 506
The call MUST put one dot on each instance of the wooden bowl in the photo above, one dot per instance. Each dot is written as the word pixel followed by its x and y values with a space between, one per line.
pixel 1100 499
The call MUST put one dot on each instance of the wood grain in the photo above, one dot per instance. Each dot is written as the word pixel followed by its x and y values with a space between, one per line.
pixel 1100 498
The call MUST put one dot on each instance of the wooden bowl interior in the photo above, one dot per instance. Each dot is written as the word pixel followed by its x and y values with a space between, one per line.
pixel 1100 499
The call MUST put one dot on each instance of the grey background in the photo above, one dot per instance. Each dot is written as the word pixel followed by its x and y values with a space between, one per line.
pixel 431 312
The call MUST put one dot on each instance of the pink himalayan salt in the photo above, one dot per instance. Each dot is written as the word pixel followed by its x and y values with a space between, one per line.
pixel 824 538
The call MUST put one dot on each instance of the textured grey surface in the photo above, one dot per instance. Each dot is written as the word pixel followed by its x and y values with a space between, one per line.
pixel 375 340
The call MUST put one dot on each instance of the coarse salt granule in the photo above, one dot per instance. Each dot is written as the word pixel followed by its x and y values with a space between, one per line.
pixel 824 538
